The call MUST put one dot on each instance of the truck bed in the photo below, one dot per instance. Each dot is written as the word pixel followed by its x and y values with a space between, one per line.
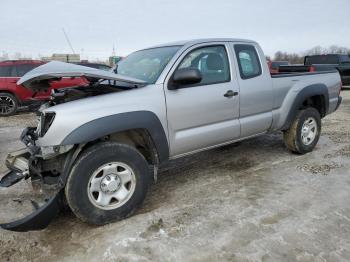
pixel 344 70
pixel 301 73
pixel 286 86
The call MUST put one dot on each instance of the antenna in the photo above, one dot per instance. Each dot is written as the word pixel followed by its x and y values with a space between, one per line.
pixel 113 52
pixel 69 43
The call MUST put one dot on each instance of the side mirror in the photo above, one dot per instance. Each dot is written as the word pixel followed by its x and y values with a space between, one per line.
pixel 185 76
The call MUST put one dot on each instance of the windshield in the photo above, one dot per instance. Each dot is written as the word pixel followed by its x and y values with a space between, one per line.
pixel 146 64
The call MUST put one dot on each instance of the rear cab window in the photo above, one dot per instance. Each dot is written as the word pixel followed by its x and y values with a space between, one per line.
pixel 248 61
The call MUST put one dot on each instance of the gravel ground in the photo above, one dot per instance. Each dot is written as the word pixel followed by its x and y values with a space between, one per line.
pixel 252 201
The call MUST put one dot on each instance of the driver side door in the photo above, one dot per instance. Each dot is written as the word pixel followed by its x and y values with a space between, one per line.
pixel 202 115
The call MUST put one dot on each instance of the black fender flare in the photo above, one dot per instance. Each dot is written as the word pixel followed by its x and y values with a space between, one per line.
pixel 306 92
pixel 107 125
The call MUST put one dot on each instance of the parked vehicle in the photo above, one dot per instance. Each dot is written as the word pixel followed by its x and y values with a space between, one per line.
pixel 274 66
pixel 165 102
pixel 12 96
pixel 317 63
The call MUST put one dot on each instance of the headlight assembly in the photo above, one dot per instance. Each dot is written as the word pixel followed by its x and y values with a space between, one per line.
pixel 46 120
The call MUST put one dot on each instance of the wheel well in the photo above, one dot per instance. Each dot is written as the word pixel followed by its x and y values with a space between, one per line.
pixel 318 102
pixel 11 93
pixel 137 138
pixel 8 92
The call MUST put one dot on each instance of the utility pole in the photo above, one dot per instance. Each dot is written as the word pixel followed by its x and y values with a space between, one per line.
pixel 113 51
pixel 68 41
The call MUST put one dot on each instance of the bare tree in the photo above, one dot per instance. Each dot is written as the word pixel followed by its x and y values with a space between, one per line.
pixel 18 55
pixel 334 49
pixel 294 58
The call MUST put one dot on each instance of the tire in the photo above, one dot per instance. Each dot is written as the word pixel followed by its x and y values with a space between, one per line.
pixel 86 193
pixel 303 142
pixel 8 104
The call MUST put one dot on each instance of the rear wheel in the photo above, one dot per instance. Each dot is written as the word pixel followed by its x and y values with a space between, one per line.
pixel 107 183
pixel 304 132
pixel 8 104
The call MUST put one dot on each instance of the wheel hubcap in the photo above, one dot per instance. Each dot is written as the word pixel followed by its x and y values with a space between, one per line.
pixel 111 185
pixel 6 104
pixel 309 131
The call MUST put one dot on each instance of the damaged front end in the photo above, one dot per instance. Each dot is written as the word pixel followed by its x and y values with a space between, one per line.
pixel 45 161
pixel 29 163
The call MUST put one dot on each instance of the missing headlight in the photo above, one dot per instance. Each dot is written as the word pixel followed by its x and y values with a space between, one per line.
pixel 46 120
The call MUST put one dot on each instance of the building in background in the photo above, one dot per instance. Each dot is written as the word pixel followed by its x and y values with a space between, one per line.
pixel 113 60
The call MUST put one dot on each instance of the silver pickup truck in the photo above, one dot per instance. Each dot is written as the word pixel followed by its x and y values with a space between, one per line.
pixel 100 145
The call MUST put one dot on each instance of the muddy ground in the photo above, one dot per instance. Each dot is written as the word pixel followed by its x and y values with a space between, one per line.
pixel 254 201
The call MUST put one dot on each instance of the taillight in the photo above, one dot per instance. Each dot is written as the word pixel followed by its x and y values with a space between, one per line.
pixel 312 69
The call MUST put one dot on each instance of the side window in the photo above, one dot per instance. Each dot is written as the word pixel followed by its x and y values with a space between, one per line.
pixel 248 61
pixel 23 69
pixel 211 61
pixel 5 71
pixel 13 71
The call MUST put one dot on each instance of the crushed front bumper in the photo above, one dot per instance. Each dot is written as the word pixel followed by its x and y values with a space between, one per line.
pixel 40 218
pixel 19 167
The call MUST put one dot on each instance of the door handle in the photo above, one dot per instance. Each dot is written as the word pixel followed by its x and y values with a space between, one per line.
pixel 230 93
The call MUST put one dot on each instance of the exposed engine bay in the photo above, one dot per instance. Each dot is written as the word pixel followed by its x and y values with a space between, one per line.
pixel 60 96
pixel 48 167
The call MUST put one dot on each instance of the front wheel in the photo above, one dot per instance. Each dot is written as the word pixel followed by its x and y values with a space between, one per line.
pixel 304 133
pixel 107 183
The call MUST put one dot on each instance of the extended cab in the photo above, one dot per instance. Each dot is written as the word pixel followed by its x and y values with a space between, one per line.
pixel 99 142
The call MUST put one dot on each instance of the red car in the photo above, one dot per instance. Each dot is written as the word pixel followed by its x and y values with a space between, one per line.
pixel 12 96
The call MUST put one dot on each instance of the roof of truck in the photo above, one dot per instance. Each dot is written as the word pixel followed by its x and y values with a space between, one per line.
pixel 203 40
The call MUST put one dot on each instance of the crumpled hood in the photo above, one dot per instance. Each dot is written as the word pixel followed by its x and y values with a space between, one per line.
pixel 39 77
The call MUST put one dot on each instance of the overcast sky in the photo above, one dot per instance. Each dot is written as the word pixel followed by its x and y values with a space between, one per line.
pixel 34 27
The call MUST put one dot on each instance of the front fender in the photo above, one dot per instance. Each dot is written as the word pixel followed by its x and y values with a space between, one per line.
pixel 101 127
